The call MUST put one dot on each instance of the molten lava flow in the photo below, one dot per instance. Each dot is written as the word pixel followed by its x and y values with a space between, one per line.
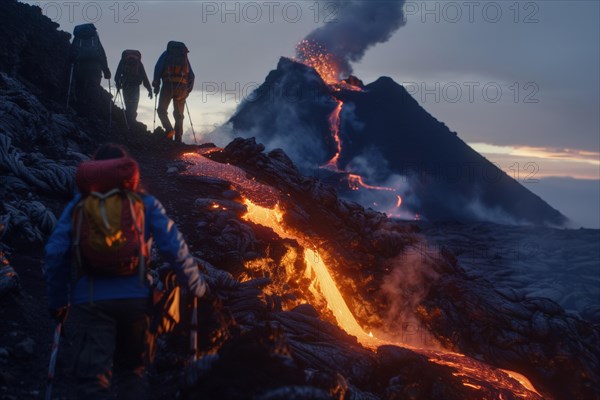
pixel 356 180
pixel 316 56
pixel 472 373
pixel 335 301
pixel 273 218
pixel 334 126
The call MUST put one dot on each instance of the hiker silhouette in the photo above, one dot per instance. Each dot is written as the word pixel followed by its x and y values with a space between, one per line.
pixel 174 70
pixel 88 62
pixel 129 76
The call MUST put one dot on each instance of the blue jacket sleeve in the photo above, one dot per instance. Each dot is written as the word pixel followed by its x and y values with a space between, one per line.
pixel 159 68
pixel 172 246
pixel 57 259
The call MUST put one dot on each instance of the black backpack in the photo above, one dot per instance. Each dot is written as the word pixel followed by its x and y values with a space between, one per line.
pixel 87 43
pixel 177 65
pixel 132 60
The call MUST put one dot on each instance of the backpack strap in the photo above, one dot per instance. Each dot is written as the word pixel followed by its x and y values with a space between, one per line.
pixel 76 242
pixel 77 248
pixel 139 230
pixel 102 197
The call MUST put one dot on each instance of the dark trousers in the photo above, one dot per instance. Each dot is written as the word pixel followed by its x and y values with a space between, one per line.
pixel 87 89
pixel 178 93
pixel 131 98
pixel 107 333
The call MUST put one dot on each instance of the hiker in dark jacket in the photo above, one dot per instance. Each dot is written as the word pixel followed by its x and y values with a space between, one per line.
pixel 129 76
pixel 110 313
pixel 88 61
pixel 175 71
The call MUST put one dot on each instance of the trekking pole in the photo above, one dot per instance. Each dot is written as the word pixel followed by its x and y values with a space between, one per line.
pixel 120 94
pixel 53 358
pixel 194 331
pixel 70 84
pixel 155 106
pixel 110 104
pixel 191 123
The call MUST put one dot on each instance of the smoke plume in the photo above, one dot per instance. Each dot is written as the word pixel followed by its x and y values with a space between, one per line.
pixel 356 26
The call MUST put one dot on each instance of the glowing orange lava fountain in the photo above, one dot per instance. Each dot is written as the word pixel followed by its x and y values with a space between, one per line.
pixel 316 56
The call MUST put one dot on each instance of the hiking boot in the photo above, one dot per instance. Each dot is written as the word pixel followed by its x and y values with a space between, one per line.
pixel 170 134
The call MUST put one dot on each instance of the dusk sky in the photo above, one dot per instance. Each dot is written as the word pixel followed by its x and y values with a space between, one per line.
pixel 518 81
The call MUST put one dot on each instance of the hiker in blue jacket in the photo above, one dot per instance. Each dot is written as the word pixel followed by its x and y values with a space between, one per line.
pixel 110 313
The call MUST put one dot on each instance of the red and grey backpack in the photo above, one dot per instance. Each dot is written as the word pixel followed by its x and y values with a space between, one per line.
pixel 108 222
pixel 132 61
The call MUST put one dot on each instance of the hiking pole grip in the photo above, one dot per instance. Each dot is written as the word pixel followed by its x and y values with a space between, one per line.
pixel 53 358
pixel 194 331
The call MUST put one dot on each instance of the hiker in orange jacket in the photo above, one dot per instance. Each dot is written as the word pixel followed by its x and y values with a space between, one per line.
pixel 175 71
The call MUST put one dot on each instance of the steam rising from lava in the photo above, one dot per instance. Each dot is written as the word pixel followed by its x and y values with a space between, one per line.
pixel 405 287
pixel 356 26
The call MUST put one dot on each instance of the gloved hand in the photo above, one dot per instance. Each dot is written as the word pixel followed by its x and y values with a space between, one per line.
pixel 59 314
pixel 150 94
pixel 107 74
pixel 156 89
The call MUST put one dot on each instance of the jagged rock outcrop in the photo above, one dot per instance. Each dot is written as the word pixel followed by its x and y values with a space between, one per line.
pixel 39 150
pixel 33 50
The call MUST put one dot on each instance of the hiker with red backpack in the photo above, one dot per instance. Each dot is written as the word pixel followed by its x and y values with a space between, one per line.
pixel 88 62
pixel 129 76
pixel 95 263
pixel 174 70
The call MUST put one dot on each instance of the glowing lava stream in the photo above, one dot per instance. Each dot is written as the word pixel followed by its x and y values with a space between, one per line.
pixel 334 123
pixel 273 219
pixel 471 372
pixel 335 302
pixel 355 181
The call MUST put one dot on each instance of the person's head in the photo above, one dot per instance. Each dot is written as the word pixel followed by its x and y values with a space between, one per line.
pixel 109 151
